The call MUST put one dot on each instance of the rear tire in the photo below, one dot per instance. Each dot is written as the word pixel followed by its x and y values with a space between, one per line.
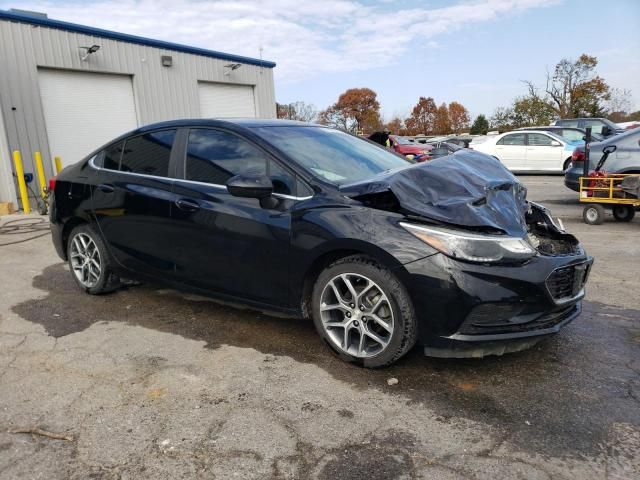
pixel 593 214
pixel 90 262
pixel 375 327
pixel 624 213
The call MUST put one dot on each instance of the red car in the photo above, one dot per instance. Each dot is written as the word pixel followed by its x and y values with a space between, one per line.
pixel 404 146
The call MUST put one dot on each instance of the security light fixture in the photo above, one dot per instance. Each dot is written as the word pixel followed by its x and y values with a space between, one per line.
pixel 230 67
pixel 167 60
pixel 89 51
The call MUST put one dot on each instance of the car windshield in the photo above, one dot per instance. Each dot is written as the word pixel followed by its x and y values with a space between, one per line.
pixel 330 154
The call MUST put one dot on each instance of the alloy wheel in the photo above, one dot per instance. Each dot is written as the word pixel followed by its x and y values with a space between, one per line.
pixel 85 260
pixel 356 315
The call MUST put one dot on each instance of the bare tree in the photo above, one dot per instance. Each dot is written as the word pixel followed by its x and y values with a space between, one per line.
pixel 301 111
pixel 575 89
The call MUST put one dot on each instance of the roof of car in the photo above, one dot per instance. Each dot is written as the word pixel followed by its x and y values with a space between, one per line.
pixel 231 123
pixel 545 132
pixel 551 127
pixel 220 122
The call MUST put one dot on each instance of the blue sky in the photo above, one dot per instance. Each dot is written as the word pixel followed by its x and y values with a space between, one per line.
pixel 472 51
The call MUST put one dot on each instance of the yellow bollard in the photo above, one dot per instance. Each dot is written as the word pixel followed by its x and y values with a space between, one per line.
pixel 58 161
pixel 17 160
pixel 40 169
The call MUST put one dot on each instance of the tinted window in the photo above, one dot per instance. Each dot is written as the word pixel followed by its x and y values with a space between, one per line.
pixel 571 135
pixel 331 154
pixel 148 154
pixel 513 139
pixel 283 181
pixel 111 157
pixel 539 140
pixel 596 125
pixel 214 156
pixel 567 123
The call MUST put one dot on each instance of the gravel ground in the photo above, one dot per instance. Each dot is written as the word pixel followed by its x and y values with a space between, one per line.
pixel 153 383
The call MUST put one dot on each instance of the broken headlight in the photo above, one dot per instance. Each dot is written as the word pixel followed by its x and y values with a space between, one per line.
pixel 472 247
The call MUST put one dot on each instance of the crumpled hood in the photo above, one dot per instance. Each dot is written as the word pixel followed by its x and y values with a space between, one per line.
pixel 466 189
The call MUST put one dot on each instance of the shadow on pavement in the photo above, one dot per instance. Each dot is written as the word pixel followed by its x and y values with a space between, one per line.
pixel 559 398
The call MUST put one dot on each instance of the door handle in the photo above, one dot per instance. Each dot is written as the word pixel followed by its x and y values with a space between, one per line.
pixel 187 205
pixel 106 187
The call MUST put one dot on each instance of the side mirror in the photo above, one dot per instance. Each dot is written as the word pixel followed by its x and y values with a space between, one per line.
pixel 250 186
pixel 606 131
pixel 609 149
pixel 555 143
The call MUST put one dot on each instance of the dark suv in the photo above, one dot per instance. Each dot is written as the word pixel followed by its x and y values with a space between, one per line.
pixel 599 126
pixel 309 221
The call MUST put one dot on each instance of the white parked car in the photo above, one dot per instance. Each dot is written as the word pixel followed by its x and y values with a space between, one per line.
pixel 529 151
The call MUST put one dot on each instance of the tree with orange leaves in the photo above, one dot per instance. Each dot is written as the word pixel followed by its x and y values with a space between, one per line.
pixel 458 117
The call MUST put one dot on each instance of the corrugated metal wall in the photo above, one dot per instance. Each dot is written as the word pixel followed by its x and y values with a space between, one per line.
pixel 161 93
pixel 7 190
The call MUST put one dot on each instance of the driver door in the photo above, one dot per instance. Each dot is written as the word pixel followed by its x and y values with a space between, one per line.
pixel 232 245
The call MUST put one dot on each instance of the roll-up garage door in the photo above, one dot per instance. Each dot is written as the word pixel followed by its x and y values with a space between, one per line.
pixel 85 110
pixel 219 100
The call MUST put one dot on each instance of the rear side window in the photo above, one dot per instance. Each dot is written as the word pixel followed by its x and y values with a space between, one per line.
pixel 110 157
pixel 214 156
pixel 148 154
pixel 571 135
pixel 596 125
pixel 513 139
pixel 539 140
pixel 567 123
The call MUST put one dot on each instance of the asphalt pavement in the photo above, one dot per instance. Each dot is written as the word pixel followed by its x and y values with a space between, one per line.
pixel 149 382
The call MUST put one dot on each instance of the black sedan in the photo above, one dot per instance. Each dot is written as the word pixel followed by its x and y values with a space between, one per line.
pixel 309 221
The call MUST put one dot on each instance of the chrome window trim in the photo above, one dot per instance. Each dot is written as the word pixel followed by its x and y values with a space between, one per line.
pixel 93 165
pixel 291 197
pixel 214 185
pixel 195 182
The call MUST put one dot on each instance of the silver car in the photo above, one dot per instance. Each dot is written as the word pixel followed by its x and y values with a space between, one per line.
pixel 626 158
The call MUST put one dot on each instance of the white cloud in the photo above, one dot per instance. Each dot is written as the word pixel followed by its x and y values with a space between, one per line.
pixel 305 38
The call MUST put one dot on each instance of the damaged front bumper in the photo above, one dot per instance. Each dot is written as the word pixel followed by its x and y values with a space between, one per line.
pixel 473 310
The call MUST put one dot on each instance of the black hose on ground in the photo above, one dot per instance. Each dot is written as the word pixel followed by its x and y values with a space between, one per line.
pixel 38 227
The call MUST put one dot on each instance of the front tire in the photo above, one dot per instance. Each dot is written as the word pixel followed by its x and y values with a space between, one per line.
pixel 363 312
pixel 593 214
pixel 89 261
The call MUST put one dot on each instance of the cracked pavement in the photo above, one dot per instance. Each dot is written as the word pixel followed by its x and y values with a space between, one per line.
pixel 154 383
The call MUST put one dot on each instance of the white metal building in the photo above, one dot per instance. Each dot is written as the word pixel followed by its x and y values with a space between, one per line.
pixel 60 96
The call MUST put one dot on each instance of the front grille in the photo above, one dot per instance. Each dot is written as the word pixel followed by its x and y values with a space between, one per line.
pixel 567 282
pixel 521 323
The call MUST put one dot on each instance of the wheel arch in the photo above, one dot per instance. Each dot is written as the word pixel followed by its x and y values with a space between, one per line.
pixel 69 225
pixel 328 255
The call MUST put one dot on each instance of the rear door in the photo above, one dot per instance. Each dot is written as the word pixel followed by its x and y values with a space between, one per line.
pixel 235 246
pixel 512 151
pixel 131 199
pixel 542 154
